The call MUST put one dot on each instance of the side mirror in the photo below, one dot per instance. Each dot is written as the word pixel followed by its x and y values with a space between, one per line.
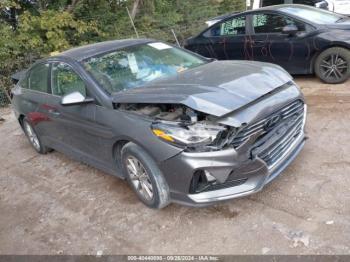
pixel 322 5
pixel 290 30
pixel 75 98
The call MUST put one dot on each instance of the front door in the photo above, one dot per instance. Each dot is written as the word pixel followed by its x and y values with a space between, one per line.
pixel 75 125
pixel 268 43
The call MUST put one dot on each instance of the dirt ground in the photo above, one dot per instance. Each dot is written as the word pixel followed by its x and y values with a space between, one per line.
pixel 50 204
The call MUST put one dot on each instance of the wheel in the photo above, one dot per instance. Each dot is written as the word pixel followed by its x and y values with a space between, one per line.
pixel 33 137
pixel 333 65
pixel 144 176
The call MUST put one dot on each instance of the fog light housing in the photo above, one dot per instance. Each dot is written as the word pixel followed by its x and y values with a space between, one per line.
pixel 209 176
pixel 201 180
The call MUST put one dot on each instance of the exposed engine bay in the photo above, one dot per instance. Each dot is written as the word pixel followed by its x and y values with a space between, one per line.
pixel 193 130
pixel 167 112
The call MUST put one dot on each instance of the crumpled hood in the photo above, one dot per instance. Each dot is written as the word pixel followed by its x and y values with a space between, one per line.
pixel 216 88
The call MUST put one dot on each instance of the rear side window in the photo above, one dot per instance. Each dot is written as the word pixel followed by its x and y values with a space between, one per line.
pixel 230 27
pixel 280 2
pixel 273 23
pixel 38 78
pixel 65 80
pixel 306 2
pixel 23 82
pixel 272 2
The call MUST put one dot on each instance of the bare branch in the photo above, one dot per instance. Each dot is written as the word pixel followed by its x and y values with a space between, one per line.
pixel 135 8
pixel 70 8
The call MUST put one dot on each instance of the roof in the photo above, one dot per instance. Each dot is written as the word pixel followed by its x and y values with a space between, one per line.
pixel 86 51
pixel 266 8
pixel 220 17
pixel 277 7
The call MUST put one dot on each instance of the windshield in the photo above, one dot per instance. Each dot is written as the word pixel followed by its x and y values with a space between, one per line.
pixel 136 65
pixel 315 15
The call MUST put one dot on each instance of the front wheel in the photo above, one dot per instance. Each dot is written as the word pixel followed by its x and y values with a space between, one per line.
pixel 33 137
pixel 332 66
pixel 144 176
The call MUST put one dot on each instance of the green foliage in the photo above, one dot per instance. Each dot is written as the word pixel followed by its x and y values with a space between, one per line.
pixel 53 31
pixel 9 4
pixel 233 5
pixel 45 26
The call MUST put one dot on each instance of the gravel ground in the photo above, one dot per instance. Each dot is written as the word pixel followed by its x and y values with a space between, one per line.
pixel 50 204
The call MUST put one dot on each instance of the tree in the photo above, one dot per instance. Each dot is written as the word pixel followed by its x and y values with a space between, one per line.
pixel 31 29
pixel 135 8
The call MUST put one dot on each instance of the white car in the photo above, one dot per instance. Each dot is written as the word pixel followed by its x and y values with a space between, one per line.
pixel 339 6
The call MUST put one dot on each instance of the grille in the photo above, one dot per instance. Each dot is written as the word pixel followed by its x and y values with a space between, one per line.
pixel 230 183
pixel 274 152
pixel 286 113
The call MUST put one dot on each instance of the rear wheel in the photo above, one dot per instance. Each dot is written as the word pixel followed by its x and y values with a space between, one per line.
pixel 333 65
pixel 144 176
pixel 33 137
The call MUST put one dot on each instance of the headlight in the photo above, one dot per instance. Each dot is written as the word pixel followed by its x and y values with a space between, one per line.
pixel 192 135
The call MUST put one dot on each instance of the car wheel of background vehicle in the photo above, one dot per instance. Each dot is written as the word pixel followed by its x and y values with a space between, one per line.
pixel 144 176
pixel 333 65
pixel 33 137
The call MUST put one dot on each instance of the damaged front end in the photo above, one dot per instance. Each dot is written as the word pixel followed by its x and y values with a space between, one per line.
pixel 226 156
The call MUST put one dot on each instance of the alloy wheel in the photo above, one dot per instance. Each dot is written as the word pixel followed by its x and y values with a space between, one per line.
pixel 334 67
pixel 33 138
pixel 139 178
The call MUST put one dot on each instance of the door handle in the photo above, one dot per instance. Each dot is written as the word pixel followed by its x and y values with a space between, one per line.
pixel 54 112
pixel 50 109
pixel 258 42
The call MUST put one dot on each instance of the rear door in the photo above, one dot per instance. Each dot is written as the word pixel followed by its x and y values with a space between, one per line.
pixel 224 40
pixel 32 98
pixel 229 38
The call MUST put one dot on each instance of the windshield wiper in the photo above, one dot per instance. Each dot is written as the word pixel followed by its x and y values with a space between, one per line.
pixel 341 19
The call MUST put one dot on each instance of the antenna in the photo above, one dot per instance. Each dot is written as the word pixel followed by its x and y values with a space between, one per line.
pixel 132 23
pixel 177 41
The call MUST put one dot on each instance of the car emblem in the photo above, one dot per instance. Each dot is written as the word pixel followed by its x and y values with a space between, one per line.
pixel 272 122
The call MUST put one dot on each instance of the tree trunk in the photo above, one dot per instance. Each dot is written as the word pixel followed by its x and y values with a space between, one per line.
pixel 135 8
pixel 71 7
pixel 13 18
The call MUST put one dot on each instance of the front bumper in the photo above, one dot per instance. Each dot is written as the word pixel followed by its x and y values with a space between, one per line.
pixel 255 183
pixel 252 171
pixel 257 179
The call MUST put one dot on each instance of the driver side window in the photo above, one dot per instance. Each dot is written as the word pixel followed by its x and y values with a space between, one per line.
pixel 273 23
pixel 66 81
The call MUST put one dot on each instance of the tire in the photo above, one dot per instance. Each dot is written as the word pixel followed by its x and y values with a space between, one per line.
pixel 332 66
pixel 152 176
pixel 33 137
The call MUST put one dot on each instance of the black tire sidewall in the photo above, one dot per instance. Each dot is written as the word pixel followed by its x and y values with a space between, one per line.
pixel 42 149
pixel 345 53
pixel 160 187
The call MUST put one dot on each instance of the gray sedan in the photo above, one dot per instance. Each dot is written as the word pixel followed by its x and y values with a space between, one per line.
pixel 177 126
